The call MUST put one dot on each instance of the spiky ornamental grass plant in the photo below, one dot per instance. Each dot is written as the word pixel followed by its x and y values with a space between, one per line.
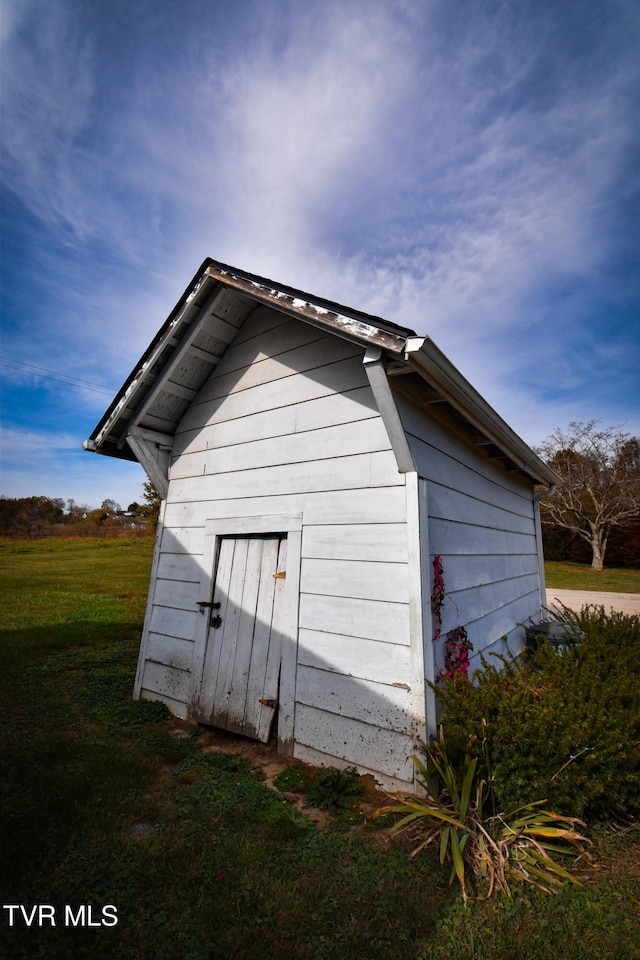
pixel 459 813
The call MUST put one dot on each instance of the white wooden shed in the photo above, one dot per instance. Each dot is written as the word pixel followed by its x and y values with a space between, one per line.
pixel 312 461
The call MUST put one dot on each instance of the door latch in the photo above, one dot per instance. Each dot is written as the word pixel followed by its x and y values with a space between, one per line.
pixel 216 621
pixel 203 604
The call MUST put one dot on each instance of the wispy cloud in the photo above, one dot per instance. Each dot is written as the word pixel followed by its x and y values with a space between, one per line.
pixel 470 171
pixel 51 464
pixel 48 87
pixel 25 444
pixel 305 123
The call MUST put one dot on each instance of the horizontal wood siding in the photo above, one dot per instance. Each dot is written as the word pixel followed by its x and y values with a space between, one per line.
pixel 481 522
pixel 314 414
pixel 349 617
pixel 171 651
pixel 163 682
pixel 361 657
pixel 330 507
pixel 363 541
pixel 329 739
pixel 331 473
pixel 356 579
pixel 357 699
pixel 343 440
pixel 287 425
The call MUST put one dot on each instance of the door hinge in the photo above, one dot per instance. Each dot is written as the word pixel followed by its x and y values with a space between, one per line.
pixel 280 576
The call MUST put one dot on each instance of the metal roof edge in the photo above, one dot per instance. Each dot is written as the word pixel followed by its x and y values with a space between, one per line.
pixel 431 363
pixel 333 317
pixel 191 290
pixel 223 271
pixel 420 352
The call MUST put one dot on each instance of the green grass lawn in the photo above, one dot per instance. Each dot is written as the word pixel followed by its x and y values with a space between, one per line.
pixel 580 576
pixel 104 805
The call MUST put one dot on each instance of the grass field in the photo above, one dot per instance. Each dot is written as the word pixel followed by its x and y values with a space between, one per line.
pixel 579 576
pixel 105 807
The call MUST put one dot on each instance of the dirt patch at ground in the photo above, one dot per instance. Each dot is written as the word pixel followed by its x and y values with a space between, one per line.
pixel 265 758
pixel 620 852
pixel 619 844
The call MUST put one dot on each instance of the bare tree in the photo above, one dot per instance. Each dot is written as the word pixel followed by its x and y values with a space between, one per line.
pixel 600 470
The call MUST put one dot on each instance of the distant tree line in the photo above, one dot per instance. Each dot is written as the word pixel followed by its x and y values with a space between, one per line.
pixel 34 518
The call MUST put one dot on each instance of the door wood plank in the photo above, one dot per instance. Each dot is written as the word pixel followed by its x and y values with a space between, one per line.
pixel 229 633
pixel 271 686
pixel 214 638
pixel 237 693
pixel 261 639
pixel 241 671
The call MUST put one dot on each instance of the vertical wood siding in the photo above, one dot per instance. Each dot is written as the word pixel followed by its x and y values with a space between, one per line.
pixel 287 424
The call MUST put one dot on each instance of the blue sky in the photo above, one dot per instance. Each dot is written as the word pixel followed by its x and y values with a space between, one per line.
pixel 471 170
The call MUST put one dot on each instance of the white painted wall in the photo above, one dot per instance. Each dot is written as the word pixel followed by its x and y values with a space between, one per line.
pixel 481 522
pixel 287 424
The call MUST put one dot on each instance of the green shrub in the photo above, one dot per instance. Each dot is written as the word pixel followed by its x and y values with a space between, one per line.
pixel 292 780
pixel 335 790
pixel 564 727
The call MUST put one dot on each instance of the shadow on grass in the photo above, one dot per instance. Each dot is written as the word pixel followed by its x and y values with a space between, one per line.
pixel 200 859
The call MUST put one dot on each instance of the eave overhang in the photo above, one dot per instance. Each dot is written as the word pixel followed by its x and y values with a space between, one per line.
pixel 344 322
pixel 490 430
pixel 193 339
pixel 206 319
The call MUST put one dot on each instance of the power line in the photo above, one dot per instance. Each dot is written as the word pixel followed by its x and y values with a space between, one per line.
pixel 58 373
pixel 70 381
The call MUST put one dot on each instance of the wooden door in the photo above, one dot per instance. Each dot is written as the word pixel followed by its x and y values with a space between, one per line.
pixel 239 690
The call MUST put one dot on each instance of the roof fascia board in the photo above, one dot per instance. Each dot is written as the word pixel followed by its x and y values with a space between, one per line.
pixel 429 361
pixel 421 353
pixel 127 395
pixel 128 386
pixel 177 354
pixel 311 310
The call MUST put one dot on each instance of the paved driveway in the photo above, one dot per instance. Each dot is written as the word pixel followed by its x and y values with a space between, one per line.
pixel 576 599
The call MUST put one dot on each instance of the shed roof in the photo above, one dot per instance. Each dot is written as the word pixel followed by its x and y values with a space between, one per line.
pixel 195 335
